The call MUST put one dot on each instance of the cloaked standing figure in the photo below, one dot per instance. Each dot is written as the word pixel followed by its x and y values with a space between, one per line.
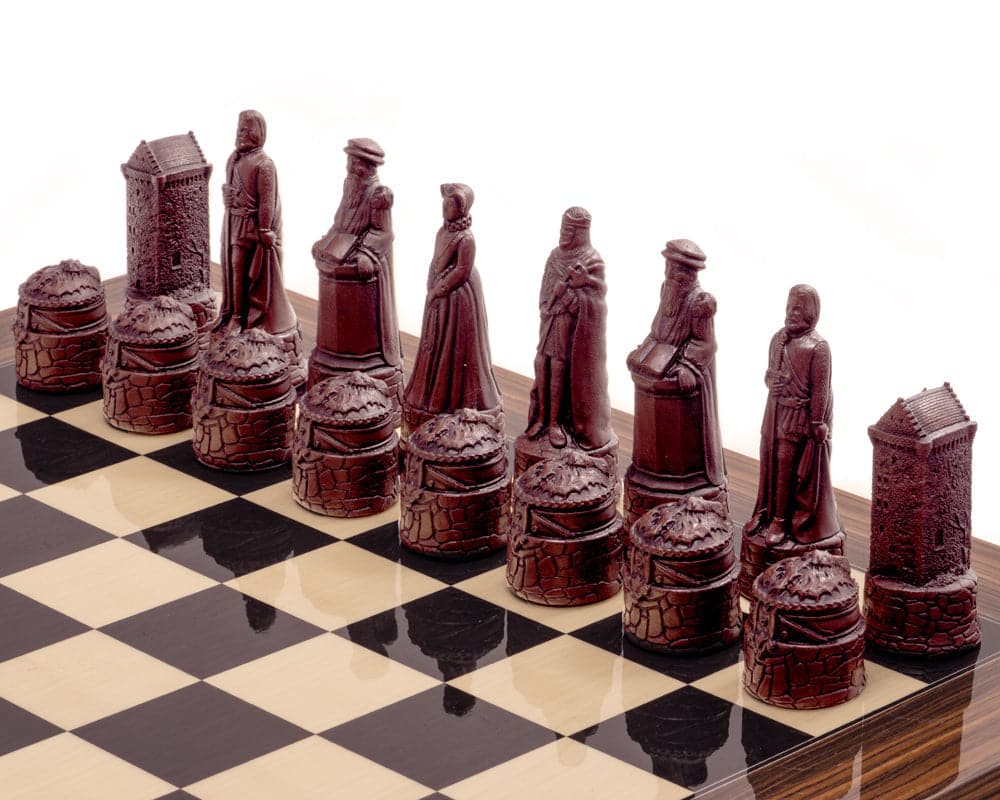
pixel 253 293
pixel 569 403
pixel 453 368
pixel 795 496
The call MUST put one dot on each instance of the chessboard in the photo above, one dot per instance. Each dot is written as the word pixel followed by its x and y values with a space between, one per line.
pixel 172 631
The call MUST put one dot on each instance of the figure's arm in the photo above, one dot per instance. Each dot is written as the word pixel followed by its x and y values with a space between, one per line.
pixel 820 373
pixel 464 261
pixel 774 380
pixel 227 188
pixel 267 203
pixel 699 350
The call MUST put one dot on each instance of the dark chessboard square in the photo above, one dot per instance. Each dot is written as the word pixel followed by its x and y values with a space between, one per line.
pixel 211 631
pixel 26 625
pixel 20 728
pixel 691 738
pixel 181 456
pixel 178 795
pixel 932 670
pixel 447 633
pixel 440 736
pixel 33 533
pixel 49 450
pixel 192 733
pixel 46 402
pixel 384 541
pixel 230 539
pixel 608 635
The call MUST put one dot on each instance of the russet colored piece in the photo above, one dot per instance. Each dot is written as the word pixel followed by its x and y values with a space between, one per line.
pixel 566 535
pixel 681 579
pixel 345 452
pixel 244 403
pixel 60 328
pixel 456 486
pixel 253 292
pixel 804 642
pixel 795 510
pixel 357 327
pixel 150 367
pixel 453 368
pixel 920 594
pixel 167 235
pixel 569 404
pixel 677 447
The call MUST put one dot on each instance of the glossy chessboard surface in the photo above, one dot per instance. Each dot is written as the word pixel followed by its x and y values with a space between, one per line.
pixel 167 630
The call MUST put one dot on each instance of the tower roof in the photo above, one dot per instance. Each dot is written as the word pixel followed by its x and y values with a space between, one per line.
pixel 167 156
pixel 924 414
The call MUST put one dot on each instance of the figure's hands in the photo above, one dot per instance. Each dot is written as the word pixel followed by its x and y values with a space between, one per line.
pixel 366 267
pixel 686 379
pixel 577 276
pixel 820 431
pixel 227 195
pixel 268 238
pixel 774 380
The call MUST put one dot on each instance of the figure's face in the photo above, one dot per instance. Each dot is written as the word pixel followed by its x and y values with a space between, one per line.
pixel 570 236
pixel 451 209
pixel 247 136
pixel 681 276
pixel 359 168
pixel 797 314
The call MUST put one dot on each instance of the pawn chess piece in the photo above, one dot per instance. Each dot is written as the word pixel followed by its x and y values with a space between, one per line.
pixel 566 535
pixel 681 579
pixel 456 486
pixel 60 328
pixel 677 447
pixel 253 292
pixel 357 327
pixel 150 367
pixel 244 403
pixel 345 452
pixel 804 642
pixel 569 405
pixel 453 368
pixel 795 510
pixel 920 593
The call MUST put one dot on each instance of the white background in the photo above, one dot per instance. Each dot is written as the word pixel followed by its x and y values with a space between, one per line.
pixel 853 146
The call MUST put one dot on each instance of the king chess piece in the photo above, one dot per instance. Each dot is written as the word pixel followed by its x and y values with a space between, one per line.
pixel 569 405
pixel 357 329
pixel 677 447
pixel 795 510
pixel 253 293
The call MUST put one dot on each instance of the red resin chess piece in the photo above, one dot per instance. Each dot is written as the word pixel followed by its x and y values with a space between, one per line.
pixel 253 295
pixel 345 453
pixel 456 486
pixel 566 536
pixel 920 594
pixel 569 404
pixel 677 447
pixel 453 368
pixel 244 403
pixel 150 367
pixel 168 243
pixel 681 579
pixel 60 328
pixel 357 327
pixel 795 510
pixel 805 637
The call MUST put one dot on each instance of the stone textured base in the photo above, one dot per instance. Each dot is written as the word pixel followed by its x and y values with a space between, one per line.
pixel 354 484
pixel 755 556
pixel 243 440
pixel 642 494
pixel 291 344
pixel 148 402
pixel 566 572
pixel 806 676
pixel 59 363
pixel 530 451
pixel 922 620
pixel 453 525
pixel 682 621
pixel 319 370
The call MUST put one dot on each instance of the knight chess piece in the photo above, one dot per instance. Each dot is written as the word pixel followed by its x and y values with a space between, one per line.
pixel 566 535
pixel 795 510
pixel 253 294
pixel 60 328
pixel 453 368
pixel 681 579
pixel 804 642
pixel 569 405
pixel 150 366
pixel 678 444
pixel 357 327
pixel 345 452
pixel 920 593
